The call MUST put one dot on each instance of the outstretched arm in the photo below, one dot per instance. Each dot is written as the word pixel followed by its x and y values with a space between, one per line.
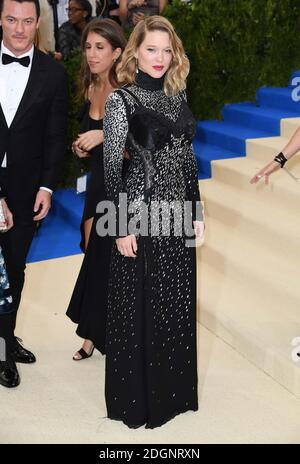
pixel 288 151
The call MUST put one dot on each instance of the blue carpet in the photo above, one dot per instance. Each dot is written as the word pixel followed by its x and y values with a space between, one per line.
pixel 59 235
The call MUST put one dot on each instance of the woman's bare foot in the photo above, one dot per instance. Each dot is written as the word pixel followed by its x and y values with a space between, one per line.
pixel 87 347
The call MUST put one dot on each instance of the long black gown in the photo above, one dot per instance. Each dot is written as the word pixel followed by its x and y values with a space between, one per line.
pixel 95 191
pixel 151 356
pixel 88 304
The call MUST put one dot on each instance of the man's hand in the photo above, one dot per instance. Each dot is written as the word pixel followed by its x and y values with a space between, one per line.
pixel 8 215
pixel 42 203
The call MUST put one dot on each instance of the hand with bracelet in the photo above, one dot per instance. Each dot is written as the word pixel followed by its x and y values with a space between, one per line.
pixel 267 170
pixel 279 161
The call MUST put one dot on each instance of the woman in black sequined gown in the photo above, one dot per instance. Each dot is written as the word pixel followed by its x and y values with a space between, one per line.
pixel 102 45
pixel 151 357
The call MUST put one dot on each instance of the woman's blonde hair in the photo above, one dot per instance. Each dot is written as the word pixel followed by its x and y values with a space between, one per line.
pixel 175 79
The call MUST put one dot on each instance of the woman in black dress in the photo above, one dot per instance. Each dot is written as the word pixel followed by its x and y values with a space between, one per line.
pixel 151 357
pixel 102 44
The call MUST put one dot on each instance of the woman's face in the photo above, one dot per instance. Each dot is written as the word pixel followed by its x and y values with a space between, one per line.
pixel 100 55
pixel 154 55
pixel 76 13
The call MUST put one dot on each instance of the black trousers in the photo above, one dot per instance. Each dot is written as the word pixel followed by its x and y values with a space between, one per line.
pixel 15 246
pixel 7 333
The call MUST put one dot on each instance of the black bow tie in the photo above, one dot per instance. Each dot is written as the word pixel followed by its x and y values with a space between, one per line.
pixel 7 59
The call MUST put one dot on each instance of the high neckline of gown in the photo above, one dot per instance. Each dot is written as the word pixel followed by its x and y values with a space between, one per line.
pixel 147 82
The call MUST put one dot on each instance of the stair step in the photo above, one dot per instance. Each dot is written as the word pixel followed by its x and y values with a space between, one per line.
pixel 289 127
pixel 259 265
pixel 205 153
pixel 254 116
pixel 231 137
pixel 59 234
pixel 256 220
pixel 278 97
pixel 264 150
pixel 282 190
pixel 68 205
pixel 56 238
pixel 247 321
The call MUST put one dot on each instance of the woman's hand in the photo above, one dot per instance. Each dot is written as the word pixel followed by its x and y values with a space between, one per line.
pixel 127 246
pixel 265 172
pixel 89 140
pixel 58 56
pixel 77 151
pixel 8 224
pixel 199 228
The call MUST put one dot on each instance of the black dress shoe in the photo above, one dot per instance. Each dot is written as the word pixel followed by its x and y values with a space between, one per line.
pixel 9 375
pixel 20 355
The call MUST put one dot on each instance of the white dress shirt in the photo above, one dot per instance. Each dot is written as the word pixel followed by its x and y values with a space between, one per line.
pixel 13 81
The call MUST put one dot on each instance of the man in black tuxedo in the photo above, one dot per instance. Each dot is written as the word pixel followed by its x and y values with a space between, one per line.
pixel 33 127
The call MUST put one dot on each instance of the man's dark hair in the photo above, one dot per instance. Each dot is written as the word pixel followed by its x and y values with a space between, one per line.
pixel 36 2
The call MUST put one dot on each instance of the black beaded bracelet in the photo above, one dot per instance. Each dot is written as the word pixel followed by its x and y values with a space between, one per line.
pixel 281 159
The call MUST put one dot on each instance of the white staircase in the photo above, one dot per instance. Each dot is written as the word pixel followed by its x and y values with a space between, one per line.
pixel 249 266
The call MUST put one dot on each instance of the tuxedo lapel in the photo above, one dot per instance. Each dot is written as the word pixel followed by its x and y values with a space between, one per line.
pixel 33 87
pixel 2 118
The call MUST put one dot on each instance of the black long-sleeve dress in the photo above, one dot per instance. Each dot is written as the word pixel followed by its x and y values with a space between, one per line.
pixel 151 364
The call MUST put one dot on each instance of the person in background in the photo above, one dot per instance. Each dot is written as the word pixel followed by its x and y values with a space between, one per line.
pixel 108 9
pixel 69 34
pixel 132 11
